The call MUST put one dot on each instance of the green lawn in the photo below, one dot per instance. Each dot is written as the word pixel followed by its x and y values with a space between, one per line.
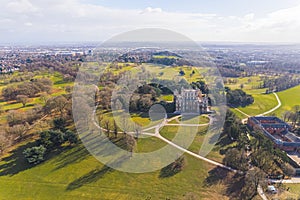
pixel 289 98
pixel 169 133
pixel 74 174
pixel 171 73
pixel 262 103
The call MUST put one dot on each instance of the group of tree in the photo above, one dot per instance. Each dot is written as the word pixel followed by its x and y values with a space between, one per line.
pixel 238 97
pixel 144 98
pixel 19 122
pixel 280 83
pixel 233 126
pixel 23 91
pixel 293 116
pixel 61 105
pixel 50 140
pixel 201 85
pixel 255 157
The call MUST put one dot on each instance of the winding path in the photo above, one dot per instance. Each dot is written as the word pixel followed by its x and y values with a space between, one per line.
pixel 262 114
pixel 157 135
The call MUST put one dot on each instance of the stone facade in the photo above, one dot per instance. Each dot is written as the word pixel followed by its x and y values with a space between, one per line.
pixel 191 101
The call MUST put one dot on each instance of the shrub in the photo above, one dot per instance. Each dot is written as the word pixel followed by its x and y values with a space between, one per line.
pixel 35 155
pixel 71 137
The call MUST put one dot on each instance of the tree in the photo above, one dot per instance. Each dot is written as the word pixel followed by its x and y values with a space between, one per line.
pixel 4 142
pixel 253 178
pixel 235 159
pixel 238 98
pixel 22 99
pixel 35 155
pixel 130 143
pixel 178 164
pixel 44 97
pixel 71 137
pixel 59 124
pixel 57 138
pixel 286 116
pixel 58 104
pixel 51 139
pixel 17 130
pixel 107 127
pixel 115 129
pixel 124 123
pixel 288 169
pixel 14 117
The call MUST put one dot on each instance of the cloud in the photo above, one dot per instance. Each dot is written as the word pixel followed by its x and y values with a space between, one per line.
pixel 28 24
pixel 72 20
pixel 21 6
pixel 151 10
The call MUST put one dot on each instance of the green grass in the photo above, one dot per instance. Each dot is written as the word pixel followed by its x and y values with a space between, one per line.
pixel 167 98
pixel 161 57
pixel 171 73
pixel 248 83
pixel 74 174
pixel 262 103
pixel 169 133
pixel 289 98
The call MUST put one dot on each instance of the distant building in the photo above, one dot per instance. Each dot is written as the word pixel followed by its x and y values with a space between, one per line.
pixel 191 101
pixel 276 130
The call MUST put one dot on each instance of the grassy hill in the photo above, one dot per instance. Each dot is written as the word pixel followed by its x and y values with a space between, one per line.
pixel 289 98
pixel 74 174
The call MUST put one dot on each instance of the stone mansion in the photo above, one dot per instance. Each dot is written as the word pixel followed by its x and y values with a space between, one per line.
pixel 191 101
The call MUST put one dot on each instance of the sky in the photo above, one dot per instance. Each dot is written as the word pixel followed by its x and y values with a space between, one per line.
pixel 248 21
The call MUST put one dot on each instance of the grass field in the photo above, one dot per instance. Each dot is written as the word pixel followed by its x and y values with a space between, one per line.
pixel 171 73
pixel 74 174
pixel 262 102
pixel 289 98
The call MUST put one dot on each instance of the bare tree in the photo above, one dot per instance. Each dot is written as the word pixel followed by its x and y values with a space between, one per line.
pixel 131 144
pixel 106 126
pixel 23 99
pixel 115 129
pixel 17 130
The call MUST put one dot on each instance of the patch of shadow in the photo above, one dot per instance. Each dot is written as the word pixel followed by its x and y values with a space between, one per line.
pixel 95 174
pixel 235 186
pixel 88 178
pixel 233 181
pixel 224 140
pixel 75 155
pixel 168 171
pixel 105 151
pixel 16 162
pixel 215 176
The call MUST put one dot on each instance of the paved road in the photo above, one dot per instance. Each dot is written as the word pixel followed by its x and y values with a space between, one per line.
pixel 164 123
pixel 187 124
pixel 261 193
pixel 157 134
pixel 293 180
